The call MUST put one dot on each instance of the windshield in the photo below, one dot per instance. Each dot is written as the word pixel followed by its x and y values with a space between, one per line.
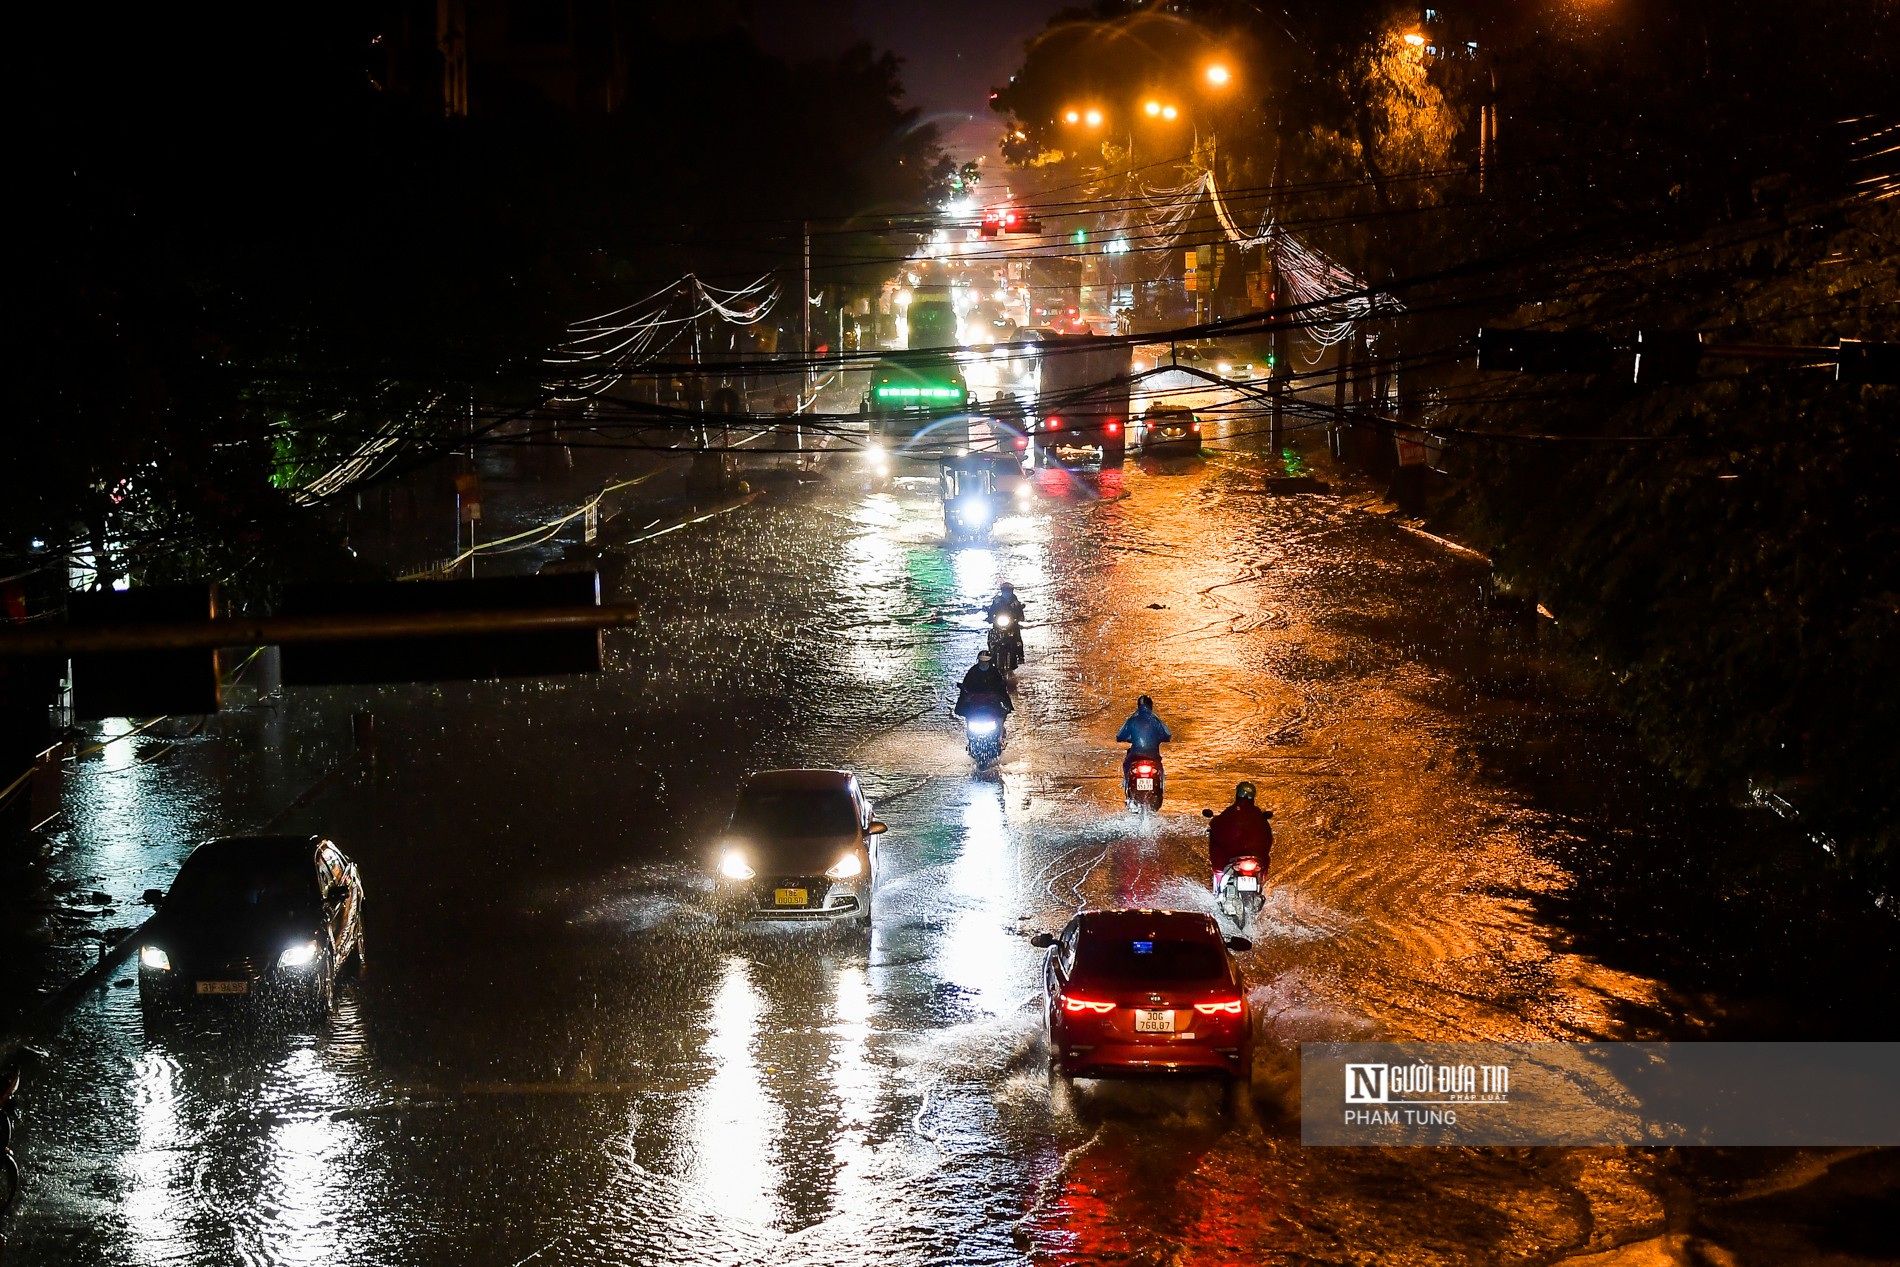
pixel 1149 959
pixel 245 890
pixel 795 812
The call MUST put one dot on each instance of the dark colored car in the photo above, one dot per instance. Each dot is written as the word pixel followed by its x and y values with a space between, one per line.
pixel 799 848
pixel 1170 431
pixel 267 920
pixel 1145 991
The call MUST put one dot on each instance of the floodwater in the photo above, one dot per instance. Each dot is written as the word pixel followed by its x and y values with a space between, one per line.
pixel 555 1057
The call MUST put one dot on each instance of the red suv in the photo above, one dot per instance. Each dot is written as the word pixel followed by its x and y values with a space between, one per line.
pixel 1145 991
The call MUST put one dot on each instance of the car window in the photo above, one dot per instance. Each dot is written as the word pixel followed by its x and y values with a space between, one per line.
pixel 795 812
pixel 221 889
pixel 1149 959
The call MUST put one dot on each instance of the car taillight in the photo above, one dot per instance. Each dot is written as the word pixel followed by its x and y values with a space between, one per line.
pixel 1022 442
pixel 1222 1007
pixel 1113 426
pixel 1194 426
pixel 1076 1003
pixel 1247 866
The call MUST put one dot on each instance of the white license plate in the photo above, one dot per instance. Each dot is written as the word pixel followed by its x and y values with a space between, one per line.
pixel 1247 883
pixel 1150 1021
pixel 1144 785
pixel 224 987
pixel 788 897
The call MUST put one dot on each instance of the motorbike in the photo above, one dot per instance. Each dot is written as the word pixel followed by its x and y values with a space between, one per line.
pixel 1242 894
pixel 1141 784
pixel 1006 642
pixel 983 731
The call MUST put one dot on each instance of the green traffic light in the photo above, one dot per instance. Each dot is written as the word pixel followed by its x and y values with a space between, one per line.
pixel 1081 236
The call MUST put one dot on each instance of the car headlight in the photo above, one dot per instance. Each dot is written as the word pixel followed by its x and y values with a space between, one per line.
pixel 733 866
pixel 155 959
pixel 301 956
pixel 1224 369
pixel 982 726
pixel 845 868
pixel 874 451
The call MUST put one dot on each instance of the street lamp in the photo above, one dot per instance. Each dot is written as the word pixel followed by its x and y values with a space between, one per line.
pixel 1093 118
pixel 1072 116
pixel 1218 75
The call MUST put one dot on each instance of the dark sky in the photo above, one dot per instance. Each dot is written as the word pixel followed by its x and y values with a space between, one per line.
pixel 954 51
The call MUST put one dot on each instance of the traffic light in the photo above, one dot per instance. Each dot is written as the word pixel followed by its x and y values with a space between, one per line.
pixel 1081 236
pixel 1543 351
pixel 1665 357
pixel 1007 220
pixel 1869 363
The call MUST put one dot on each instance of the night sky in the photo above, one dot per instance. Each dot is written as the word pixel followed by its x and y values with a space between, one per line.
pixel 954 51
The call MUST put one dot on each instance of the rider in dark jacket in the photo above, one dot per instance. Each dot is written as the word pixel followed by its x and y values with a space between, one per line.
pixel 983 681
pixel 1239 831
pixel 1005 601
pixel 1144 733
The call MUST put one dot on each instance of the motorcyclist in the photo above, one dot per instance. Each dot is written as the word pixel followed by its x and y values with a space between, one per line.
pixel 983 681
pixel 1239 831
pixel 1005 601
pixel 1144 733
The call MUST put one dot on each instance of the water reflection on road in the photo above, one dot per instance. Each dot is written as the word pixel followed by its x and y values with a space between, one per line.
pixel 557 1058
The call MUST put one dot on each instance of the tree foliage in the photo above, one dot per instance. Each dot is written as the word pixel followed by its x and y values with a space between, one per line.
pixel 248 253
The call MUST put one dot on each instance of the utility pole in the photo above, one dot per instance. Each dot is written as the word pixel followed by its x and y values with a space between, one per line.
pixel 804 308
pixel 1276 384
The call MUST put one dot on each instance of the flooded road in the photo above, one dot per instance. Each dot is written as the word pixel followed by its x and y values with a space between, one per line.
pixel 556 1057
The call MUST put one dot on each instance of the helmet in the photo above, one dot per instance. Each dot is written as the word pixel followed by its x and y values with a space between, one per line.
pixel 1243 792
pixel 1007 588
pixel 1144 702
pixel 983 657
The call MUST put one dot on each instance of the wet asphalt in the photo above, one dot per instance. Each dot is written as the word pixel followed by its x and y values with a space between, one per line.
pixel 556 1057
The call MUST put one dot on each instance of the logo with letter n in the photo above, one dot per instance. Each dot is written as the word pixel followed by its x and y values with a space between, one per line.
pixel 1365 1084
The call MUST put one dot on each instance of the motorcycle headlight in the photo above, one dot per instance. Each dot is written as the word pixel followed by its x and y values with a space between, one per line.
pixel 1004 620
pixel 155 959
pixel 982 726
pixel 733 866
pixel 300 956
pixel 845 868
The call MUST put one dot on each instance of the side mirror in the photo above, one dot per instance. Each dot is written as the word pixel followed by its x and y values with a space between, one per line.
pixel 1042 941
pixel 876 828
pixel 153 897
pixel 1238 943
pixel 1207 813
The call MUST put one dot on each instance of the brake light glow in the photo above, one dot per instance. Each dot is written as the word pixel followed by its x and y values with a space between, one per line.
pixel 1075 1003
pixel 1247 866
pixel 1223 1007
pixel 1022 442
pixel 1194 426
pixel 1113 426
pixel 1142 767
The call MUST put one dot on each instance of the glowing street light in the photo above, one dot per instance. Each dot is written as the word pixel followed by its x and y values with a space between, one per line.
pixel 1152 109
pixel 1219 75
pixel 1072 116
pixel 1169 112
pixel 1093 118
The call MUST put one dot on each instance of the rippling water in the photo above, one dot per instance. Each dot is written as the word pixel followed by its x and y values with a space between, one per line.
pixel 555 1057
